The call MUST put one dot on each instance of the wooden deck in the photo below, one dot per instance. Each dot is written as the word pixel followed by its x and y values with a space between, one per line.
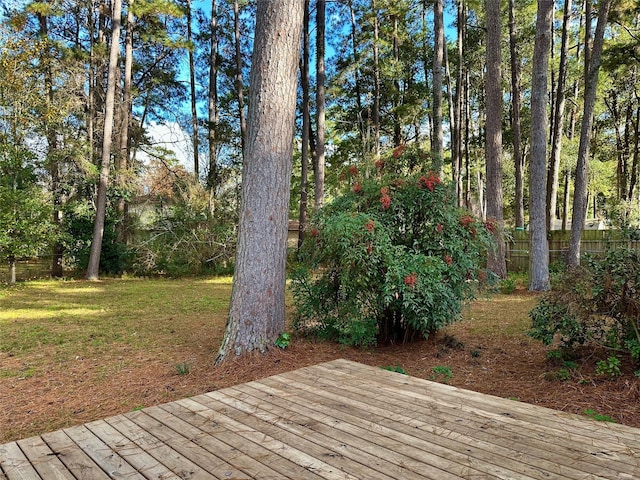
pixel 338 420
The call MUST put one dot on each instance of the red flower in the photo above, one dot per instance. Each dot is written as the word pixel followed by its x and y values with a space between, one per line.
pixel 448 259
pixel 357 188
pixel 380 164
pixel 399 150
pixel 370 225
pixel 411 279
pixel 398 182
pixel 353 170
pixel 429 182
pixel 439 228
pixel 384 190
pixel 466 220
pixel 385 200
pixel 314 232
pixel 490 225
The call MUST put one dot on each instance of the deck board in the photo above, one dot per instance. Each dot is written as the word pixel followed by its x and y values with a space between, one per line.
pixel 338 421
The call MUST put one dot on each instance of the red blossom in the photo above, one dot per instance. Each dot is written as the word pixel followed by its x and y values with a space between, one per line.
pixel 370 225
pixel 353 170
pixel 448 259
pixel 429 182
pixel 398 182
pixel 466 220
pixel 384 190
pixel 439 228
pixel 357 188
pixel 411 279
pixel 314 232
pixel 385 200
pixel 380 164
pixel 490 225
pixel 399 150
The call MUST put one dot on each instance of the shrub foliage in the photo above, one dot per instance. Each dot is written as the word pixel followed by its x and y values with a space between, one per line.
pixel 596 305
pixel 392 259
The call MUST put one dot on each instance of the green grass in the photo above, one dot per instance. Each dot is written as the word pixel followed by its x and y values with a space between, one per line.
pixel 75 318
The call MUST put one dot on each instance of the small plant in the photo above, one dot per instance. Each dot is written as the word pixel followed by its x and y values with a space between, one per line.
pixel 563 375
pixel 283 340
pixel 441 374
pixel 395 368
pixel 508 285
pixel 637 373
pixel 609 367
pixel 183 368
pixel 137 408
pixel 598 416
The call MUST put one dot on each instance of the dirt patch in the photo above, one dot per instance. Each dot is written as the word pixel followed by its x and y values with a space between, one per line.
pixel 487 352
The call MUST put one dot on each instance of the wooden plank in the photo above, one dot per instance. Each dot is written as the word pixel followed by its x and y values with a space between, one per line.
pixel 470 429
pixel 109 461
pixel 290 452
pixel 411 441
pixel 225 454
pixel 182 466
pixel 15 465
pixel 208 420
pixel 289 430
pixel 144 463
pixel 46 463
pixel 318 429
pixel 208 462
pixel 77 461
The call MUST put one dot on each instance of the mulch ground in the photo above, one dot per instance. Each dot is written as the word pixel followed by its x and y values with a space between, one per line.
pixel 498 363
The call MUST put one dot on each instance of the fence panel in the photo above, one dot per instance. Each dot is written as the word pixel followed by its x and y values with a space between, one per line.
pixel 594 242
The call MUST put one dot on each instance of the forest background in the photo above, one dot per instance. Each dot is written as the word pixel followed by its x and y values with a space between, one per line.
pixel 378 78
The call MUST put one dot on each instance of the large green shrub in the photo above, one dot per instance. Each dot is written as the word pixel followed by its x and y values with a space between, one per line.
pixel 596 305
pixel 391 259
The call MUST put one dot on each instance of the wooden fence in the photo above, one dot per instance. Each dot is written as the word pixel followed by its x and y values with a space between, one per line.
pixel 594 242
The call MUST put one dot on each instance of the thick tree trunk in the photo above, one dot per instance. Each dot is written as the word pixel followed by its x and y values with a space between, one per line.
pixel 581 179
pixel 437 151
pixel 320 104
pixel 516 107
pixel 93 268
pixel 12 270
pixel 257 313
pixel 539 248
pixel 558 122
pixel 460 95
pixel 496 262
pixel 356 74
pixel 375 114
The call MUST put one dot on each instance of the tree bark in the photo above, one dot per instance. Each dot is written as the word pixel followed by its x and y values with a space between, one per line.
pixel 558 122
pixel 93 268
pixel 437 151
pixel 375 114
pixel 192 89
pixel 539 248
pixel 257 313
pixel 516 108
pixel 320 104
pixel 212 177
pixel 581 178
pixel 239 82
pixel 306 125
pixel 496 262
pixel 12 270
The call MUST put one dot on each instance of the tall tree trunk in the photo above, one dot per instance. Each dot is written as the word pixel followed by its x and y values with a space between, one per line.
pixel 397 101
pixel 93 268
pixel 239 82
pixel 460 95
pixel 375 114
pixel 123 155
pixel 558 122
pixel 212 177
pixel 516 108
pixel 320 104
pixel 539 248
pixel 257 312
pixel 356 74
pixel 192 89
pixel 437 151
pixel 452 114
pixel 12 270
pixel 306 125
pixel 496 261
pixel 52 146
pixel 582 180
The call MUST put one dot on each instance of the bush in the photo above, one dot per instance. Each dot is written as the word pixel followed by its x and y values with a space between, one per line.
pixel 390 260
pixel 597 305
